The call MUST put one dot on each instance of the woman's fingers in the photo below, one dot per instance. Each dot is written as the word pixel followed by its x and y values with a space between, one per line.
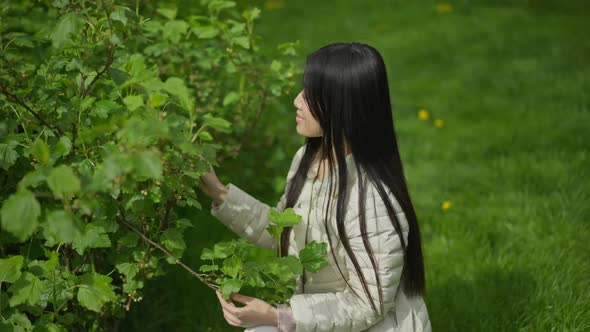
pixel 229 311
pixel 209 181
pixel 231 319
pixel 242 298
pixel 228 305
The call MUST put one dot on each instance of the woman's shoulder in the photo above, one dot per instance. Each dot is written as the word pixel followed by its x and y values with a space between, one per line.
pixel 295 160
pixel 299 153
pixel 374 201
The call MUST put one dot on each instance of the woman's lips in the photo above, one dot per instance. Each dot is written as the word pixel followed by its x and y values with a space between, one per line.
pixel 298 117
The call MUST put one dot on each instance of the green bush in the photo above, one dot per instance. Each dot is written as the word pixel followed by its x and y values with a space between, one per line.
pixel 109 113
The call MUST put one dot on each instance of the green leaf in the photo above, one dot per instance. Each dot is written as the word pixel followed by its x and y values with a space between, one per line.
pixel 64 146
pixel 10 268
pixel 157 99
pixel 169 13
pixel 119 15
pixel 69 26
pixel 243 41
pixel 129 240
pixel 208 268
pixel 292 264
pixel 133 102
pixel 313 256
pixel 16 322
pixel 95 290
pixel 206 32
pixel 102 108
pixel 62 181
pixel 217 123
pixel 87 103
pixel 286 218
pixel 147 164
pixel 173 241
pixel 40 151
pixel 279 269
pixel 32 179
pixel 275 65
pixel 231 266
pixel 252 14
pixel 257 255
pixel 274 230
pixel 205 136
pixel 253 277
pixel 27 289
pixel 61 227
pixel 119 76
pixel 183 223
pixel 175 86
pixel 44 267
pixel 174 30
pixel 93 237
pixel 216 6
pixel 130 270
pixel 224 249
pixel 231 98
pixel 8 155
pixel 20 213
pixel 230 286
pixel 207 254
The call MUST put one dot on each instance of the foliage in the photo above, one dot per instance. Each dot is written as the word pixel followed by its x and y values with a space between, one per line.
pixel 110 112
pixel 241 264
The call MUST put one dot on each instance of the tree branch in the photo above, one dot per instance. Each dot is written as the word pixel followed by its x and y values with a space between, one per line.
pixel 107 65
pixel 166 220
pixel 167 253
pixel 13 98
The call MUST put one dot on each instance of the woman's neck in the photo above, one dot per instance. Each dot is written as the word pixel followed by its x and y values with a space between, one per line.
pixel 347 152
pixel 323 163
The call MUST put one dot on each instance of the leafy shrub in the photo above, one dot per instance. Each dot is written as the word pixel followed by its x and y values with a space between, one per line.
pixel 109 114
pixel 245 265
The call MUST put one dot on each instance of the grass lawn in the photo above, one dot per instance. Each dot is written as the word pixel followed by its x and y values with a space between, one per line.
pixel 511 82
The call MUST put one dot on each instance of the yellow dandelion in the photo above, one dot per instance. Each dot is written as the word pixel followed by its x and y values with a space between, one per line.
pixel 423 114
pixel 446 205
pixel 273 4
pixel 439 123
pixel 444 8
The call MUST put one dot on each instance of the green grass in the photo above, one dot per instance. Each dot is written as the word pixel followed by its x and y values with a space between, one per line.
pixel 511 80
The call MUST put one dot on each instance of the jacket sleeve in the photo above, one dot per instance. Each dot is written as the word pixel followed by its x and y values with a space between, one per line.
pixel 248 217
pixel 344 311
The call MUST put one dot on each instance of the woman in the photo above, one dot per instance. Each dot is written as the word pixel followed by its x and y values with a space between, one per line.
pixel 348 184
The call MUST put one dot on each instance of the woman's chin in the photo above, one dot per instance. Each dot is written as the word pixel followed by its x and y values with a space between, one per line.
pixel 299 131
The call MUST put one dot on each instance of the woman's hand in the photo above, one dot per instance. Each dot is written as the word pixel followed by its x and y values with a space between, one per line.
pixel 255 312
pixel 210 185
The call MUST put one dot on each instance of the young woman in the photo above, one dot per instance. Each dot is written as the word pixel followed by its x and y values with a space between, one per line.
pixel 348 184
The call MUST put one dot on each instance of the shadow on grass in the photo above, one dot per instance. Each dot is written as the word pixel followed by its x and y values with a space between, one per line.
pixel 493 300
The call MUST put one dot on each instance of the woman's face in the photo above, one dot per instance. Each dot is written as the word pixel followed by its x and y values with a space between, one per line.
pixel 307 125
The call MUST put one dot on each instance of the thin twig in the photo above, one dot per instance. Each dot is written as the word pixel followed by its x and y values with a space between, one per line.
pixel 13 98
pixel 77 268
pixel 164 221
pixel 107 65
pixel 184 266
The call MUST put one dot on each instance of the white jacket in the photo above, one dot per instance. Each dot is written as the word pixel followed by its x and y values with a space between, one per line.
pixel 328 304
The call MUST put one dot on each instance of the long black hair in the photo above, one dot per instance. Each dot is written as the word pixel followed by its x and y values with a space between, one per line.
pixel 345 86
